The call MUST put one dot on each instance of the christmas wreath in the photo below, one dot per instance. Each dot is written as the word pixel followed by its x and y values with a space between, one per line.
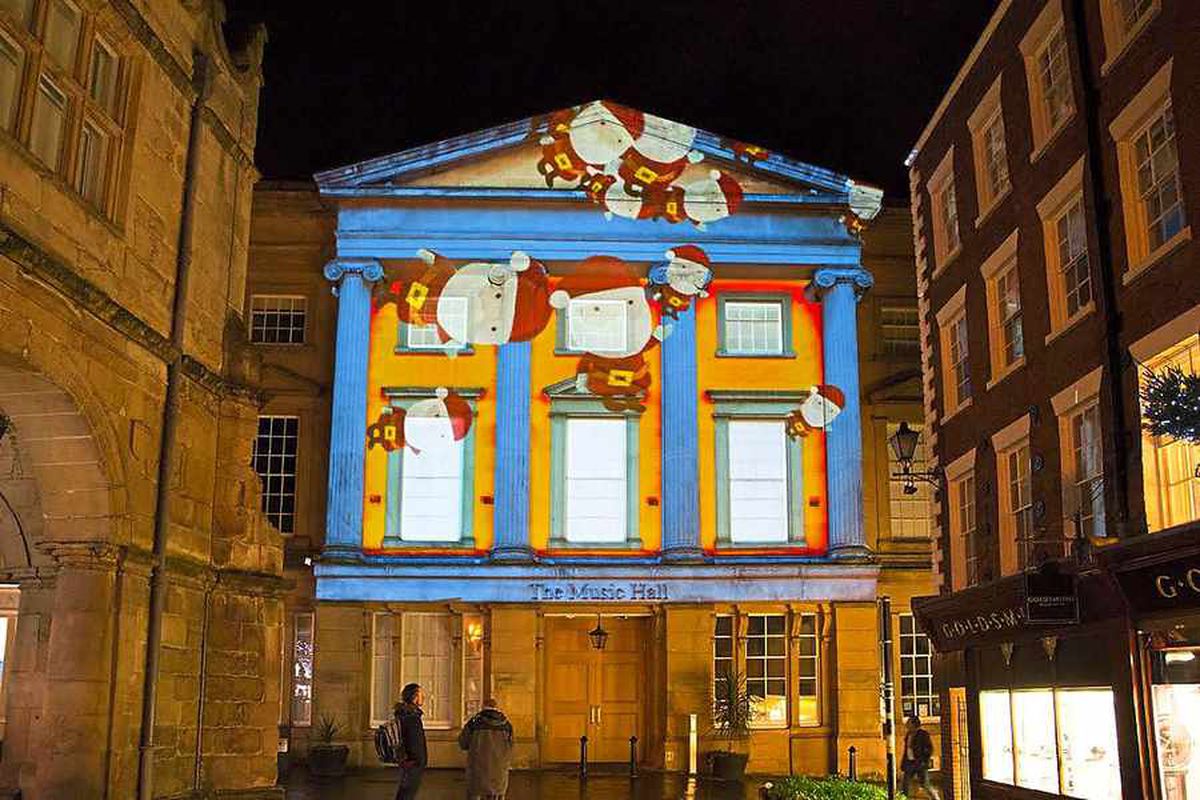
pixel 1171 404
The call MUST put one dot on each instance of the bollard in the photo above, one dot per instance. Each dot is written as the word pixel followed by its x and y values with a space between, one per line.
pixel 633 757
pixel 583 756
pixel 852 768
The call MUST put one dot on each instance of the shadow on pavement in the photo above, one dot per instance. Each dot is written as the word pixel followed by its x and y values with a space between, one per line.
pixel 449 784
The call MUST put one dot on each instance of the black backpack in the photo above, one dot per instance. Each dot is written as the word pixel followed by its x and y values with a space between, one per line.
pixel 389 744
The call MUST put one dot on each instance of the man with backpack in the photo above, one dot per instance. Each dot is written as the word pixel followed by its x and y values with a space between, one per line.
pixel 412 755
pixel 488 739
pixel 918 758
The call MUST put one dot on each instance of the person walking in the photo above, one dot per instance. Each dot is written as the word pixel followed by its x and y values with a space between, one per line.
pixel 412 737
pixel 488 739
pixel 917 759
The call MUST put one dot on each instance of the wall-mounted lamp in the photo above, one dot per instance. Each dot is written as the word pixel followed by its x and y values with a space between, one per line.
pixel 474 634
pixel 904 446
pixel 598 635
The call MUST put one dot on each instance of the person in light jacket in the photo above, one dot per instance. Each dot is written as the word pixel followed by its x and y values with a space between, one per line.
pixel 488 739
pixel 412 736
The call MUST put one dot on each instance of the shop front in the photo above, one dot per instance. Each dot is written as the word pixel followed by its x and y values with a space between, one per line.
pixel 1039 664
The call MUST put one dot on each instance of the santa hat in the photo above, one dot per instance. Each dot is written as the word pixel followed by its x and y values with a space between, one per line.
pixel 595 274
pixel 692 253
pixel 831 393
pixel 633 120
pixel 533 298
pixel 730 188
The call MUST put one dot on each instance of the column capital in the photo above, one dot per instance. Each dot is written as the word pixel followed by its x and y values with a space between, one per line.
pixel 826 278
pixel 368 269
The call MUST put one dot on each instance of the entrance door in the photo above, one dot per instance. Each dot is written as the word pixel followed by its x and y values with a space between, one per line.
pixel 960 744
pixel 597 693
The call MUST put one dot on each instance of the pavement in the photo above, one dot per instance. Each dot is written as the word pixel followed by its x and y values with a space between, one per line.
pixel 449 784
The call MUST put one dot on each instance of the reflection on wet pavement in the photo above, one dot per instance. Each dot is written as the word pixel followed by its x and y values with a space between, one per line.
pixel 380 784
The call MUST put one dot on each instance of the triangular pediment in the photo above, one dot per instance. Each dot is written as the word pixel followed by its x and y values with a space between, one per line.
pixel 506 157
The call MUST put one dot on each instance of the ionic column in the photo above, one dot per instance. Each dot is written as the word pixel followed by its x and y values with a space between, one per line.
pixel 511 514
pixel 352 279
pixel 680 443
pixel 839 290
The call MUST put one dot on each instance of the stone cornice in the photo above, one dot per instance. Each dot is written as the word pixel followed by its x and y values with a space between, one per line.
pixel 218 385
pixel 227 140
pixel 258 583
pixel 145 34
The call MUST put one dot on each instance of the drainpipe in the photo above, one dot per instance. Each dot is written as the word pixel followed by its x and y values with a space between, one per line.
pixel 201 84
pixel 1114 357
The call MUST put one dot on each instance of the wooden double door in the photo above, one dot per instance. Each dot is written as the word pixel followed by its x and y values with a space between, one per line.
pixel 597 693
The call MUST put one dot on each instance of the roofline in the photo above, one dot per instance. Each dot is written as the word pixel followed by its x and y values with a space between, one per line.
pixel 972 57
pixel 513 133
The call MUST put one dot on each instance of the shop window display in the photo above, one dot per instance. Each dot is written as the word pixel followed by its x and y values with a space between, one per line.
pixel 1176 698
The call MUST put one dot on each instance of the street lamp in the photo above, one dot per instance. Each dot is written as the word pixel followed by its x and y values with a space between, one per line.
pixel 598 635
pixel 904 446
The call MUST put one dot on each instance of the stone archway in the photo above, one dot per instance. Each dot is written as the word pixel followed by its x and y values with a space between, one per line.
pixel 57 529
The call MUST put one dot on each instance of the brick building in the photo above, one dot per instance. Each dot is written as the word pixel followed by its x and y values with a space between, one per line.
pixel 1053 194
pixel 127 414
pixel 497 591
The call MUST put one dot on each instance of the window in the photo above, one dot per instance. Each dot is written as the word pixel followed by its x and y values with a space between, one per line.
pixel 808 709
pixel 473 695
pixel 593 471
pixel 384 692
pixel 917 693
pixel 723 644
pixel 754 325
pixel 900 330
pixel 12 63
pixel 1059 741
pixel 1169 465
pixel 597 326
pixel 758 485
pixel 944 209
pixel 70 100
pixel 1133 11
pixel 426 658
pixel 1122 21
pixel 596 480
pixel 1071 245
pixel 1148 161
pixel 986 124
pixel 453 310
pixel 911 514
pixel 1017 519
pixel 1065 237
pixel 1085 480
pixel 1048 73
pixel 962 531
pixel 278 318
pixel 302 669
pixel 1005 334
pixel 955 347
pixel 275 462
pixel 766 668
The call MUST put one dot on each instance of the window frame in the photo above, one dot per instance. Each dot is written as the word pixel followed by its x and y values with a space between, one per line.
pixel 763 405
pixel 265 495
pixel 1157 452
pixel 1048 25
pixel 567 403
pixel 933 697
pixel 264 296
pixel 1118 35
pixel 799 618
pixel 983 120
pixel 908 347
pixel 393 648
pixel 562 331
pixel 1000 266
pixel 302 722
pixel 783 300
pixel 1013 440
pixel 1138 114
pixel 964 550
pixel 453 698
pixel 1052 209
pixel 405 397
pixel 949 317
pixel 942 181
pixel 767 658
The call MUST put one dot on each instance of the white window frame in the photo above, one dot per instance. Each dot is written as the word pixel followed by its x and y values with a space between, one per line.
pixel 1046 30
pixel 428 337
pixel 991 167
pixel 771 348
pixel 578 341
pixel 998 271
pixel 1060 201
pixel 779 532
pixel 944 205
pixel 767 658
pixel 1081 397
pixel 917 666
pixel 1139 113
pixel 1011 445
pixel 265 303
pixel 949 318
pixel 297 681
pixel 961 521
pixel 450 713
pixel 620 519
pixel 806 640
pixel 383 660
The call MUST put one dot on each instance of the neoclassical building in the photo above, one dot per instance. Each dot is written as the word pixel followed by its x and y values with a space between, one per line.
pixel 592 371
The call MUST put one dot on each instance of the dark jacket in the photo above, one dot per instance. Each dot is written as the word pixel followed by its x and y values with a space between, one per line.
pixel 412 734
pixel 488 739
pixel 918 750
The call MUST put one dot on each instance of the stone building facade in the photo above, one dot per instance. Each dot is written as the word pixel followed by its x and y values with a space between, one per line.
pixel 1055 192
pixel 504 605
pixel 144 585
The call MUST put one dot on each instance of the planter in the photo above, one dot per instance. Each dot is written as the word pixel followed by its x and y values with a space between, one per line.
pixel 328 760
pixel 727 766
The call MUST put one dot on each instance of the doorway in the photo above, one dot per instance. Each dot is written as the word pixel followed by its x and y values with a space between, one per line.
pixel 598 693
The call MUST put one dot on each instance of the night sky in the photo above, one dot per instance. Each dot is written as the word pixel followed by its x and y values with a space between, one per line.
pixel 847 84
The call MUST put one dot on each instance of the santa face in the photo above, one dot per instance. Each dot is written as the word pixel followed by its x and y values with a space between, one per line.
pixel 665 141
pixel 818 411
pixel 478 303
pixel 611 307
pixel 703 201
pixel 597 136
pixel 427 426
pixel 622 203
pixel 688 277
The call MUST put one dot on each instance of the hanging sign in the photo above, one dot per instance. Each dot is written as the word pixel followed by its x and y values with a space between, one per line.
pixel 1051 596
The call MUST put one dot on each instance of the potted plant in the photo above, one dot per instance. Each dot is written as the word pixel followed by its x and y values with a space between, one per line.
pixel 326 759
pixel 733 710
